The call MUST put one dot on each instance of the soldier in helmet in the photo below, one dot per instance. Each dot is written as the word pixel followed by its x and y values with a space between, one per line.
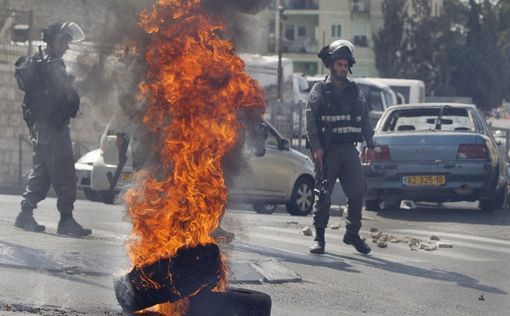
pixel 336 120
pixel 49 103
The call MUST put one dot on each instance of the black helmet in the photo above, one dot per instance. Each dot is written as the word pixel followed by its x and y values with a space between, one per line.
pixel 70 30
pixel 339 49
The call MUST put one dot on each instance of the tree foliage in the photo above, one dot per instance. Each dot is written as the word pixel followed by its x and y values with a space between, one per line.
pixel 465 51
pixel 388 41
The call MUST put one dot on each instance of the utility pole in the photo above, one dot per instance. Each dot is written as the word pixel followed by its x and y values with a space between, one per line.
pixel 281 18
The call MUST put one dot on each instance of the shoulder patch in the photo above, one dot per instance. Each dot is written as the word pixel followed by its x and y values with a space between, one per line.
pixel 361 96
pixel 314 96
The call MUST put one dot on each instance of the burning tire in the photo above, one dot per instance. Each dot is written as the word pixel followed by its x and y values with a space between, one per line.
pixel 234 301
pixel 169 279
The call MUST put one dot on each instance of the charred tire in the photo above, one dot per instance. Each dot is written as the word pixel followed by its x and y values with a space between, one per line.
pixel 263 208
pixel 373 205
pixel 234 301
pixel 92 195
pixel 302 198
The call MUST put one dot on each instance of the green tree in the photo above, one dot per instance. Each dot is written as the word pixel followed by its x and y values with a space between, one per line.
pixel 416 45
pixel 388 41
pixel 504 29
pixel 481 72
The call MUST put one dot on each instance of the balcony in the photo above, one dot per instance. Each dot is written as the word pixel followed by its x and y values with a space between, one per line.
pixel 297 4
pixel 297 46
pixel 301 4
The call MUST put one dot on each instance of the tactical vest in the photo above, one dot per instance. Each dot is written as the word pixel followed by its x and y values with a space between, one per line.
pixel 340 117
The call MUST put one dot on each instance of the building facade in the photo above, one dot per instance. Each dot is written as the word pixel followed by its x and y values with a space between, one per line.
pixel 311 24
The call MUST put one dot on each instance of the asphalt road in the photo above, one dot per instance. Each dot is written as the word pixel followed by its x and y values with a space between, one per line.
pixel 47 274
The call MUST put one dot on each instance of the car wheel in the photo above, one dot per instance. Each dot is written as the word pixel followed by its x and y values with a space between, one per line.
pixel 263 208
pixel 92 195
pixel 499 201
pixel 487 205
pixel 390 205
pixel 501 197
pixel 107 197
pixel 302 198
pixel 374 205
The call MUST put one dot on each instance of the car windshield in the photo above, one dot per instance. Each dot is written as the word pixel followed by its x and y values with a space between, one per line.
pixel 430 119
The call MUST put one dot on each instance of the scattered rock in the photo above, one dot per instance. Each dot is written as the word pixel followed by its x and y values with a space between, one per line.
pixel 376 235
pixel 367 218
pixel 363 238
pixel 414 244
pixel 335 226
pixel 307 231
pixel 373 230
pixel 481 298
pixel 433 237
pixel 382 244
pixel 428 247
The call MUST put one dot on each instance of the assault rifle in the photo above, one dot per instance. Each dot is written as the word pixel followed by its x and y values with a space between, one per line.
pixel 322 189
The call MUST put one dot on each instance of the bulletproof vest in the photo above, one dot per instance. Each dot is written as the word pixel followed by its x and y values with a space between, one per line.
pixel 45 99
pixel 340 116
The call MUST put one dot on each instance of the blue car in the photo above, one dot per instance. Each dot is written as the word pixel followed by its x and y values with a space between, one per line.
pixel 435 152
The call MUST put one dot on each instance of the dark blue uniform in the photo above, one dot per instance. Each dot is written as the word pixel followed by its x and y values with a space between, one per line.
pixel 337 119
pixel 48 106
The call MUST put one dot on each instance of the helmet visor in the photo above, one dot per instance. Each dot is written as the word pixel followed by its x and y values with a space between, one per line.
pixel 74 31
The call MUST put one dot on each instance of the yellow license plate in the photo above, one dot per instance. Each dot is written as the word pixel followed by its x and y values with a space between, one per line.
pixel 417 181
pixel 127 177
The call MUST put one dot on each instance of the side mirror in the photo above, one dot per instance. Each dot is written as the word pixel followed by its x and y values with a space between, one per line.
pixel 284 144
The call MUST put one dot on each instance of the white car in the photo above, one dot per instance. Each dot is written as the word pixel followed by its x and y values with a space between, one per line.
pixel 83 168
pixel 282 176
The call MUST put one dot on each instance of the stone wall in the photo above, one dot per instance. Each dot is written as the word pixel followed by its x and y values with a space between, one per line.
pixel 10 127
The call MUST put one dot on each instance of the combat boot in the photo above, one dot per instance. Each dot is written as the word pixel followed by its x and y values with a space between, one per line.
pixel 356 241
pixel 26 221
pixel 70 227
pixel 319 245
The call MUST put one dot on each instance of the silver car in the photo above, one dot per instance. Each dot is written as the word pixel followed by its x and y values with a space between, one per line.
pixel 282 176
pixel 437 153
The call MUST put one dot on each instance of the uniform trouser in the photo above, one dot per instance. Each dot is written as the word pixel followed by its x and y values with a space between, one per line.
pixel 343 163
pixel 53 164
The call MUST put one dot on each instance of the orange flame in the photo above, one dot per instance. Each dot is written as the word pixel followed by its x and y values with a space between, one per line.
pixel 194 84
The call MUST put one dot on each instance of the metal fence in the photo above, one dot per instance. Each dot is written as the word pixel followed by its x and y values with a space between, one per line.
pixel 17 39
pixel 287 117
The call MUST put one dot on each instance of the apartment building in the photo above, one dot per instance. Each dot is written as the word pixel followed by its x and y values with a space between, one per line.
pixel 312 24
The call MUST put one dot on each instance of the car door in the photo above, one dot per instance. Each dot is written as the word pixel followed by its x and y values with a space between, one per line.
pixel 266 177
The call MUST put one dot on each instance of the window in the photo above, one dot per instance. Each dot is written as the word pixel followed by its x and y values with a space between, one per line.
pixel 426 119
pixel 272 140
pixel 301 31
pixel 336 30
pixel 289 32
